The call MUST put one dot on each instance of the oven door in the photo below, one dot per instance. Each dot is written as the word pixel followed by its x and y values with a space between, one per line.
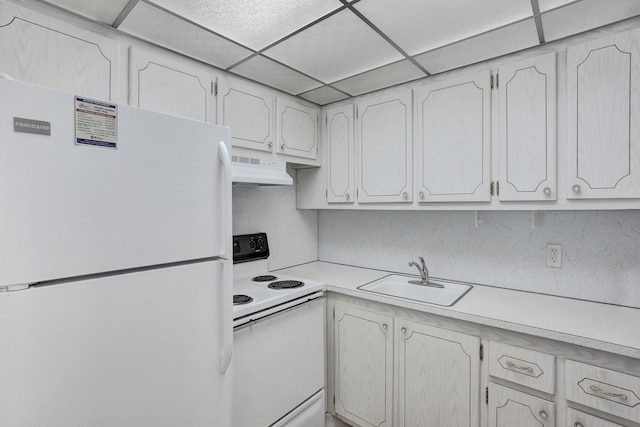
pixel 279 365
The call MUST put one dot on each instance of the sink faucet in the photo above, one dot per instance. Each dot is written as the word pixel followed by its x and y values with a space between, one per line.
pixel 422 268
pixel 424 274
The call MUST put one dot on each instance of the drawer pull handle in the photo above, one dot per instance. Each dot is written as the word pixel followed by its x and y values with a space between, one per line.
pixel 512 365
pixel 597 389
pixel 578 424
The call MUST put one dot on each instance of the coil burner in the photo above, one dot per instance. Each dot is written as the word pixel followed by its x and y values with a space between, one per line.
pixel 286 284
pixel 265 278
pixel 241 299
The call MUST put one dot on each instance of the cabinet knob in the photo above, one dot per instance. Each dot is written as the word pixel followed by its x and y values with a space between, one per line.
pixel 543 415
pixel 421 194
pixel 403 330
pixel 578 424
pixel 546 191
pixel 576 188
pixel 282 146
pixel 270 144
pixel 405 195
pixel 347 196
pixel 384 326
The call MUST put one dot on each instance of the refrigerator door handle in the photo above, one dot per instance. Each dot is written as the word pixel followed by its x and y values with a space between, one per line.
pixel 227 274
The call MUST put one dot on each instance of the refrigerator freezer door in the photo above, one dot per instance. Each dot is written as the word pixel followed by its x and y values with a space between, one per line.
pixel 70 210
pixel 138 349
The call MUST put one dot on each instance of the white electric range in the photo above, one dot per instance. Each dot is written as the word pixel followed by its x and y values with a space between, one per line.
pixel 278 342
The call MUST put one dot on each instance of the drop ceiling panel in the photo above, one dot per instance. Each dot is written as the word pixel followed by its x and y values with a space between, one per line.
pixel 105 11
pixel 389 75
pixel 546 5
pixel 338 47
pixel 253 23
pixel 324 95
pixel 489 45
pixel 150 23
pixel 418 26
pixel 585 15
pixel 272 74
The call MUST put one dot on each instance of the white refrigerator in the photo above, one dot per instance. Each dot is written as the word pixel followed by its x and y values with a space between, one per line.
pixel 115 264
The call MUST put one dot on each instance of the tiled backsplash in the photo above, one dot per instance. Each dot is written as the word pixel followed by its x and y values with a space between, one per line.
pixel 600 249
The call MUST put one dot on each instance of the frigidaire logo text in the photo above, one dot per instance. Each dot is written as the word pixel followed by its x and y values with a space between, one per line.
pixel 36 126
pixel 31 126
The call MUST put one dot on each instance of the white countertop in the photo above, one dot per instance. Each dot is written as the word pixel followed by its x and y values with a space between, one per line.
pixel 603 327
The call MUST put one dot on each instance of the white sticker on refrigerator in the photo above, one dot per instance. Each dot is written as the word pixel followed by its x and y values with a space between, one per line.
pixel 96 123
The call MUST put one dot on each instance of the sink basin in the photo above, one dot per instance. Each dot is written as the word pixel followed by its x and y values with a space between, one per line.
pixel 397 285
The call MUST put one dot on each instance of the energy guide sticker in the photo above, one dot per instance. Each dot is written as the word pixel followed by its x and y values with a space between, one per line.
pixel 96 123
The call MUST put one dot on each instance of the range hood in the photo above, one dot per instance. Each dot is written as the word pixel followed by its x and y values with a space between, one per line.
pixel 247 170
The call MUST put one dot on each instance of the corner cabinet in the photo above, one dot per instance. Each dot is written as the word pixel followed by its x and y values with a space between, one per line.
pixel 176 86
pixel 603 95
pixel 454 140
pixel 296 129
pixel 339 137
pixel 385 149
pixel 527 134
pixel 363 366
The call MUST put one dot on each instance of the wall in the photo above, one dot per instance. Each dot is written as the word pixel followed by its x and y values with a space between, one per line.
pixel 600 249
pixel 292 234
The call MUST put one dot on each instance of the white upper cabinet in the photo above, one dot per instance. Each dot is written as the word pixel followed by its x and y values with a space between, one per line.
pixel 527 93
pixel 384 149
pixel 175 86
pixel 39 49
pixel 248 110
pixel 603 93
pixel 339 134
pixel 454 131
pixel 296 129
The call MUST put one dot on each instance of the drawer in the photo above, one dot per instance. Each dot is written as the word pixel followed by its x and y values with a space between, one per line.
pixel 607 391
pixel 526 367
pixel 580 419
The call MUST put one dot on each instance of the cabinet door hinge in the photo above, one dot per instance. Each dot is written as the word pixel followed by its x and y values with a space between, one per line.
pixel 334 316
pixel 326 194
pixel 491 81
pixel 481 352
pixel 497 81
pixel 334 399
pixel 494 188
pixel 486 395
pixel 214 88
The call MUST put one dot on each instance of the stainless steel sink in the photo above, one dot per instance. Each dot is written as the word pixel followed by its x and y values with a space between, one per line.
pixel 397 285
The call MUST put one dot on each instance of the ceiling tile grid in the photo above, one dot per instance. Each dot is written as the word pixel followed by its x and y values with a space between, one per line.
pixel 328 50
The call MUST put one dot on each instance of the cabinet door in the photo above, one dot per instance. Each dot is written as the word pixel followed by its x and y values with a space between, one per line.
pixel 580 419
pixel 339 139
pixel 508 408
pixel 297 129
pixel 454 130
pixel 363 366
pixel 527 93
pixel 385 152
pixel 179 87
pixel 439 377
pixel 38 49
pixel 603 96
pixel 248 111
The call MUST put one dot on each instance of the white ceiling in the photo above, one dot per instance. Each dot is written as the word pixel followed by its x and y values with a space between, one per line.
pixel 328 50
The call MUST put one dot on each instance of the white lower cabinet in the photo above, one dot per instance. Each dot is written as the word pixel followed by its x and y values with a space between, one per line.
pixel 438 376
pixel 437 372
pixel 363 366
pixel 508 408
pixel 580 419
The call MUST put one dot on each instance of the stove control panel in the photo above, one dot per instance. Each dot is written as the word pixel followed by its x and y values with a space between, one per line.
pixel 250 247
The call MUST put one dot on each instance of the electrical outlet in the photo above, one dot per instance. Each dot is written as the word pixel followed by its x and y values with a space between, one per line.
pixel 554 256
